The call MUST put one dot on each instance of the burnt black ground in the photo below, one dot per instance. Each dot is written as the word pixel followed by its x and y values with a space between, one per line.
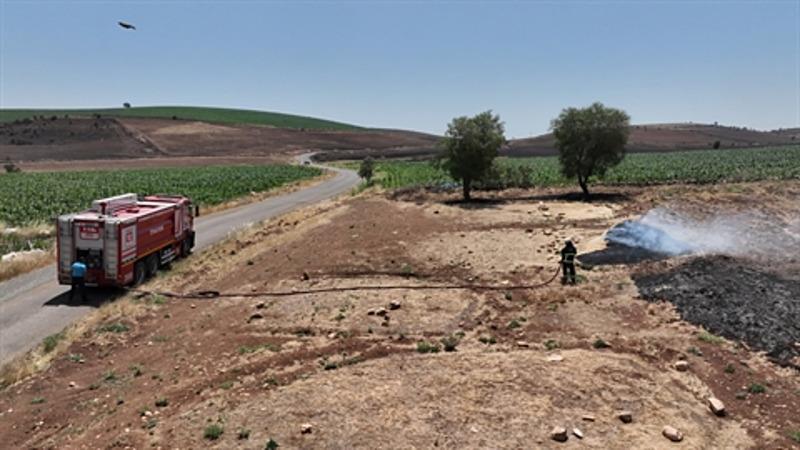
pixel 734 299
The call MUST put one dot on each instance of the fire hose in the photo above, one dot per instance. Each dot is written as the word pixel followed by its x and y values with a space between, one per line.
pixel 208 294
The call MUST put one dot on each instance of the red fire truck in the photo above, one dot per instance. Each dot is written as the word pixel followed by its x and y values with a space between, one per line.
pixel 125 239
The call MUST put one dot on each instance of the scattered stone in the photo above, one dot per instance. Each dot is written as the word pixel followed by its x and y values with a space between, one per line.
pixel 578 433
pixel 716 405
pixel 523 344
pixel 306 428
pixel 555 358
pixel 682 366
pixel 73 384
pixel 625 416
pixel 588 418
pixel 305 276
pixel 741 395
pixel 255 316
pixel 394 304
pixel 672 434
pixel 193 306
pixel 261 305
pixel 559 434
pixel 529 230
pixel 371 312
pixel 331 335
pixel 380 312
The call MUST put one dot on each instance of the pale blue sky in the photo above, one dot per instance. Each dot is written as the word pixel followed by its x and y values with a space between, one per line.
pixel 412 64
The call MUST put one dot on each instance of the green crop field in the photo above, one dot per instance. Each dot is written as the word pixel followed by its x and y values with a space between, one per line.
pixel 218 115
pixel 29 198
pixel 712 166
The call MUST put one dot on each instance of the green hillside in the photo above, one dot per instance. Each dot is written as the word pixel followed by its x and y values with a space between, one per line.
pixel 218 115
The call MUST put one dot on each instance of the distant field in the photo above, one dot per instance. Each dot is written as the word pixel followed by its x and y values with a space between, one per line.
pixel 637 169
pixel 27 198
pixel 218 115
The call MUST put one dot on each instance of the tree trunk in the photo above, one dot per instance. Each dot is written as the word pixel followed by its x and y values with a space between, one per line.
pixel 584 187
pixel 467 185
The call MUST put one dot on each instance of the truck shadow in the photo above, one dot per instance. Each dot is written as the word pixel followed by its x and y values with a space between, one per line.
pixel 95 298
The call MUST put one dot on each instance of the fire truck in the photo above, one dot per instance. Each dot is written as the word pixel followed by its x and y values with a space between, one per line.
pixel 123 240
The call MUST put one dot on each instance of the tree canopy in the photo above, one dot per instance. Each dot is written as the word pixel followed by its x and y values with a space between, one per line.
pixel 470 146
pixel 590 141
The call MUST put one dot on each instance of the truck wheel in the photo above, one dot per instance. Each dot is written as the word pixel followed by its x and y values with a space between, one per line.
pixel 139 273
pixel 186 248
pixel 152 264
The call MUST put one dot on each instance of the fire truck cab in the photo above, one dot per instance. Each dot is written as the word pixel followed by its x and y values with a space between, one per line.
pixel 123 240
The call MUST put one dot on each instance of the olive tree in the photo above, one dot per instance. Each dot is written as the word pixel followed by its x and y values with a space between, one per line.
pixel 366 169
pixel 590 141
pixel 469 147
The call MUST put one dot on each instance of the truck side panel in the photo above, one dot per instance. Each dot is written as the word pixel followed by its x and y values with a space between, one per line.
pixel 154 232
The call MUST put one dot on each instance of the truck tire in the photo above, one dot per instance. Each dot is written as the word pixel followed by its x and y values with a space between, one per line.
pixel 186 247
pixel 139 273
pixel 152 264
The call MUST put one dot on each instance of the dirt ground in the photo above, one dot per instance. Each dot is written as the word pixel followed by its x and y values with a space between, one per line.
pixel 335 367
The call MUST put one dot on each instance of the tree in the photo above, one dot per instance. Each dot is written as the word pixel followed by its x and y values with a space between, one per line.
pixel 126 105
pixel 10 166
pixel 716 145
pixel 366 169
pixel 469 147
pixel 590 141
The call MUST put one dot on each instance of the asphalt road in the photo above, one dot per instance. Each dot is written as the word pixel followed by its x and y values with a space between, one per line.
pixel 34 305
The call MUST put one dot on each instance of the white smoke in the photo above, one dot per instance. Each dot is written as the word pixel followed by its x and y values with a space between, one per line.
pixel 749 234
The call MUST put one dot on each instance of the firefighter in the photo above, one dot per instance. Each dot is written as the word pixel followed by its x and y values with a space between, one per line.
pixel 568 254
pixel 78 279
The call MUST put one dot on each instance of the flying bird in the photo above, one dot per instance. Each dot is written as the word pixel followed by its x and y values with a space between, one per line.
pixel 126 25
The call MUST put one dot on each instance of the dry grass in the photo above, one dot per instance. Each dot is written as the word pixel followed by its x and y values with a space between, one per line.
pixel 16 268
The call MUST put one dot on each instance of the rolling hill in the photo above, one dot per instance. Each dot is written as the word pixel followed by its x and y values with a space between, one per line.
pixel 670 137
pixel 212 115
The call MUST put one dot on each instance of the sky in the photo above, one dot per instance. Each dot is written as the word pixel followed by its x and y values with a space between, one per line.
pixel 412 64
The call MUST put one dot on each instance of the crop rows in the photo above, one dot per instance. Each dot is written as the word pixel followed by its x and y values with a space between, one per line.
pixel 712 166
pixel 27 198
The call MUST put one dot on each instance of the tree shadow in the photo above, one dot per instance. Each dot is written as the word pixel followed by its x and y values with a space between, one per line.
pixel 495 202
pixel 95 298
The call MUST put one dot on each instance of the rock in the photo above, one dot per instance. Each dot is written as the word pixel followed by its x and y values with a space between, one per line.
pixel 380 312
pixel 682 366
pixel 625 416
pixel 306 428
pixel 255 316
pixel 555 358
pixel 559 434
pixel 672 434
pixel 578 433
pixel 371 312
pixel 261 305
pixel 394 304
pixel 305 276
pixel 523 344
pixel 716 405
pixel 741 395
pixel 193 306
pixel 588 418
pixel 73 384
pixel 331 335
